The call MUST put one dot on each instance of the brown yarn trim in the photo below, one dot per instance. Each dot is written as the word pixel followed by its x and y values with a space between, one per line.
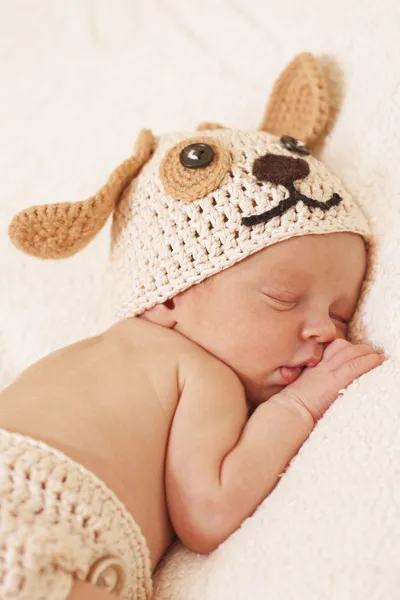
pixel 299 104
pixel 144 146
pixel 60 230
pixel 191 184
pixel 209 125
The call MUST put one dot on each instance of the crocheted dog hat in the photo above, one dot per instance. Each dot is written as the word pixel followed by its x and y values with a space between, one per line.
pixel 189 205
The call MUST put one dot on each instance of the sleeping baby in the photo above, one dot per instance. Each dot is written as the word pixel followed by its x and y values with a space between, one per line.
pixel 239 261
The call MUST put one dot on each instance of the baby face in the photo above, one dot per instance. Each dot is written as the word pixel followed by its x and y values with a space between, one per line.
pixel 274 313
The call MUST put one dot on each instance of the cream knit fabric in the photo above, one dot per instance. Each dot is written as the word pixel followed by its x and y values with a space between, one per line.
pixel 162 245
pixel 56 521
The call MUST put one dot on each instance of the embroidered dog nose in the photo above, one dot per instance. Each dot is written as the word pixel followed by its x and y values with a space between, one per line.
pixel 276 169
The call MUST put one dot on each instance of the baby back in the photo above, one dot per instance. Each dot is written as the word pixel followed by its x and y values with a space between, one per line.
pixel 107 402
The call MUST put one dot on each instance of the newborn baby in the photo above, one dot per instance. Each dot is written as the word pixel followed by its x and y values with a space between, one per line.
pixel 239 260
pixel 156 406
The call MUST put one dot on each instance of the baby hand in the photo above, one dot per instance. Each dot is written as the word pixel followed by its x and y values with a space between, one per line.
pixel 318 387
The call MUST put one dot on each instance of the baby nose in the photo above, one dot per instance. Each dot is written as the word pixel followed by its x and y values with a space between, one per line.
pixel 321 331
pixel 276 169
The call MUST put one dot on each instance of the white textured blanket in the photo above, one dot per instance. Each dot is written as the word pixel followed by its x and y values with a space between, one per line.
pixel 78 80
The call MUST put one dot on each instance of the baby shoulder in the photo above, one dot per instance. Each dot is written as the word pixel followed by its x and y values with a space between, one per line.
pixel 200 371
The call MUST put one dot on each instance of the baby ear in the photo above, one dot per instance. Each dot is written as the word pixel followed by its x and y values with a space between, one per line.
pixel 61 230
pixel 299 105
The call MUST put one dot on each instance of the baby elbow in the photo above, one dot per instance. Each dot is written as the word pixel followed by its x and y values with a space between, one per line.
pixel 202 533
pixel 204 547
pixel 202 521
pixel 202 542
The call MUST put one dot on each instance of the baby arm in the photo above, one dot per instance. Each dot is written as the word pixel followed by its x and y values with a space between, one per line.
pixel 220 464
pixel 81 590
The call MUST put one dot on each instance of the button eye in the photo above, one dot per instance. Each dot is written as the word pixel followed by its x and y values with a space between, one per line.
pixel 290 143
pixel 196 156
pixel 194 168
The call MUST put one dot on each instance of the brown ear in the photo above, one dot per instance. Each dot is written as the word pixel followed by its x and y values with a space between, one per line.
pixel 299 105
pixel 61 230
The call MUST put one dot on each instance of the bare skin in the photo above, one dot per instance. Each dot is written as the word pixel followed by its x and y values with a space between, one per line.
pixel 157 406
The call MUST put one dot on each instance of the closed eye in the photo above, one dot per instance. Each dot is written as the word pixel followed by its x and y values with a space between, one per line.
pixel 280 303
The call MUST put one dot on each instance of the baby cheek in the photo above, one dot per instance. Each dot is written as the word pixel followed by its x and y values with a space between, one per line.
pixel 280 328
pixel 263 353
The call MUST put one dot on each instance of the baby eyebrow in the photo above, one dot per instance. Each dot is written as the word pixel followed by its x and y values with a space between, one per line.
pixel 283 290
pixel 278 290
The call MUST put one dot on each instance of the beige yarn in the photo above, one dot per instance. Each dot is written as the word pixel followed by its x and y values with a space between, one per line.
pixel 56 520
pixel 162 245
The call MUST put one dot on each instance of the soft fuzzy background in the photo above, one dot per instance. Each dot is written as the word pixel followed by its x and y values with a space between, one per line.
pixel 78 80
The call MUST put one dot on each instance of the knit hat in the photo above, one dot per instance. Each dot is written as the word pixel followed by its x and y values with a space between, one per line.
pixel 189 205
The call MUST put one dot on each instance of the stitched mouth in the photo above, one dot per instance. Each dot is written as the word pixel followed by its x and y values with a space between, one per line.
pixel 285 205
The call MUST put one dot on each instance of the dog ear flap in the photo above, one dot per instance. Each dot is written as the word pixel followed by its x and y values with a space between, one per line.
pixel 61 230
pixel 299 104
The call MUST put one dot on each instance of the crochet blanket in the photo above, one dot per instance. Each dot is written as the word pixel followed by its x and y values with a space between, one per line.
pixel 79 79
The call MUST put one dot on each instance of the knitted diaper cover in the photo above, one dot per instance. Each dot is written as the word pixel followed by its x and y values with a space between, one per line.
pixel 60 523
